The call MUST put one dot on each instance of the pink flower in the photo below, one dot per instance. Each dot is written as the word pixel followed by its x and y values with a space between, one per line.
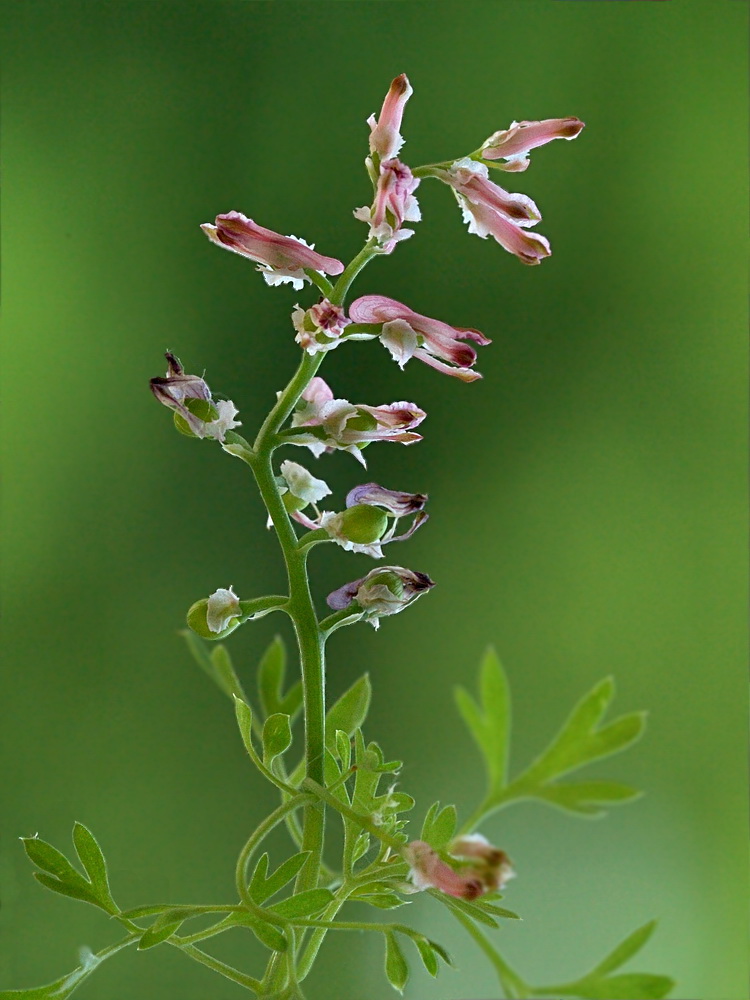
pixel 338 424
pixel 394 204
pixel 490 210
pixel 428 871
pixel 281 258
pixel 385 137
pixel 409 334
pixel 513 143
pixel 320 327
pixel 489 870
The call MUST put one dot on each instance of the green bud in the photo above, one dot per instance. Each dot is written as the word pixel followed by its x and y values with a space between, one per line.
pixel 292 503
pixel 202 408
pixel 387 578
pixel 363 524
pixel 196 619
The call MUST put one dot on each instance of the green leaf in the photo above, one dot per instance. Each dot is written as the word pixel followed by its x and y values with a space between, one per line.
pixel 630 986
pixel 439 826
pixel 586 797
pixel 489 722
pixel 429 952
pixel 162 928
pixel 266 933
pixel 350 711
pixel 277 737
pixel 580 741
pixel 625 950
pixel 396 968
pixel 245 723
pixel 343 746
pixel 382 900
pixel 94 863
pixel 62 988
pixel 49 859
pixel 304 904
pixel 271 672
pixel 81 891
pixel 464 906
pixel 262 888
pixel 226 676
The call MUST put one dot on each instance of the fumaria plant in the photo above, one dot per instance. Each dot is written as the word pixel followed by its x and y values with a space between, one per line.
pixel 341 777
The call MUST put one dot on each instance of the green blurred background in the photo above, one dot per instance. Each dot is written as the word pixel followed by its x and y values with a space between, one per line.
pixel 587 497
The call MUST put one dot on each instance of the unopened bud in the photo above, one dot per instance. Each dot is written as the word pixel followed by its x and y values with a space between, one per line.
pixel 203 409
pixel 363 524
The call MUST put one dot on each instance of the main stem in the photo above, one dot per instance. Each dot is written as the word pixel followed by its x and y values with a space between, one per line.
pixel 301 610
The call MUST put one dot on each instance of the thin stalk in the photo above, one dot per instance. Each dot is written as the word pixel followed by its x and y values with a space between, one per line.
pixel 364 821
pixel 222 968
pixel 340 289
pixel 255 838
pixel 511 982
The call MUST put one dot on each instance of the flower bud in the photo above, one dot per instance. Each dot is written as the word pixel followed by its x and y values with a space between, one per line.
pixel 362 524
pixel 197 620
pixel 384 591
pixel 203 409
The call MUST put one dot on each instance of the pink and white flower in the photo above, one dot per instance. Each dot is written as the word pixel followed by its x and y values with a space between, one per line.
pixel 336 424
pixel 490 210
pixel 320 327
pixel 280 258
pixel 223 606
pixel 190 398
pixel 384 591
pixel 408 334
pixel 394 204
pixel 488 871
pixel 512 144
pixel 385 135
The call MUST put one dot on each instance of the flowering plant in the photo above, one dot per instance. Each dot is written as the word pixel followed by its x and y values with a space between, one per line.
pixel 292 907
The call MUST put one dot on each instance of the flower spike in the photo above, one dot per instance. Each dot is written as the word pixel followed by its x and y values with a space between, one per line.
pixel 280 258
pixel 409 334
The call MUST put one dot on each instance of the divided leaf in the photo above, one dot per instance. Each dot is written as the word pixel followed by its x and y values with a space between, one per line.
pixel 93 861
pixel 304 904
pixel 429 952
pixel 489 722
pixel 350 711
pixel 59 875
pixel 262 887
pixel 439 826
pixel 161 929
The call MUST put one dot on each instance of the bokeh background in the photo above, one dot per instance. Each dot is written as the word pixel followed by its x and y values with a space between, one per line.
pixel 587 497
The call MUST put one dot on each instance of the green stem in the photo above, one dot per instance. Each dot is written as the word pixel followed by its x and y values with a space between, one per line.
pixel 221 967
pixel 320 280
pixel 510 981
pixel 340 289
pixel 364 821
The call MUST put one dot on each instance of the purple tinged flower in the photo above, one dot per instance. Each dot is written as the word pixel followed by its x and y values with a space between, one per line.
pixel 320 327
pixel 190 398
pixel 223 605
pixel 384 591
pixel 408 334
pixel 512 144
pixel 394 204
pixel 488 870
pixel 337 424
pixel 490 210
pixel 385 135
pixel 280 258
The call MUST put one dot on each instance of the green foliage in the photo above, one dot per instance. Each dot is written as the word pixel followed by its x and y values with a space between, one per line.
pixel 600 985
pixel 304 904
pixel 165 925
pixel 430 952
pixel 277 737
pixel 350 711
pixel 581 741
pixel 396 969
pixel 59 875
pixel 271 675
pixel 263 888
pixel 217 664
pixel 439 827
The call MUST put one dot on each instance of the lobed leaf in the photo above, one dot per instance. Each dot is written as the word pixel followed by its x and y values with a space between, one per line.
pixel 625 950
pixel 439 826
pixel 245 723
pixel 630 986
pixel 489 723
pixel 396 969
pixel 162 928
pixel 73 890
pixel 94 863
pixel 271 673
pixel 429 952
pixel 226 676
pixel 586 797
pixel 266 933
pixel 262 888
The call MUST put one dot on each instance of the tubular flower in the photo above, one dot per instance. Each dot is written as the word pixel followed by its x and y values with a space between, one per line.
pixel 489 210
pixel 364 525
pixel 512 144
pixel 489 870
pixel 385 136
pixel 394 204
pixel 320 327
pixel 384 591
pixel 280 258
pixel 408 334
pixel 336 424
pixel 190 399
